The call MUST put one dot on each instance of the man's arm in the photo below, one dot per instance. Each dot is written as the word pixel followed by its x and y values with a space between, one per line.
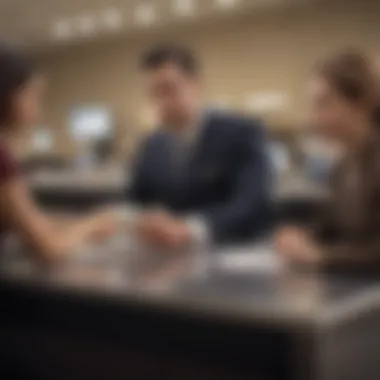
pixel 251 190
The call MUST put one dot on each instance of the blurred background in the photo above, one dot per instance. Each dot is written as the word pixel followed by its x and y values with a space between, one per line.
pixel 257 56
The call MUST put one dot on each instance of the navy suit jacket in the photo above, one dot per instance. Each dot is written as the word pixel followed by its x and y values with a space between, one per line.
pixel 227 181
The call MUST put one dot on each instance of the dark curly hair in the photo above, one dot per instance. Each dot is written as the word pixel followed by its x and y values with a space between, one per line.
pixel 16 69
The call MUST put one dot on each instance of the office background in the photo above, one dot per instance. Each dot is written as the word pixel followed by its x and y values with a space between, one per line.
pixel 232 313
pixel 256 58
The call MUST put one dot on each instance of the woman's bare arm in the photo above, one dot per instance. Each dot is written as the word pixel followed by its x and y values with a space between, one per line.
pixel 48 239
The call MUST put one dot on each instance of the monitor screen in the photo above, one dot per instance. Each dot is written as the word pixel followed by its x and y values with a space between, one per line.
pixel 42 139
pixel 91 123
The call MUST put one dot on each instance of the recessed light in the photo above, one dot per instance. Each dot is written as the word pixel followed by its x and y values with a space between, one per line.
pixel 145 14
pixel 112 18
pixel 62 29
pixel 226 3
pixel 184 7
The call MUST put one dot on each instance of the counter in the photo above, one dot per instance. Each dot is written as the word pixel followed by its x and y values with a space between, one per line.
pixel 295 196
pixel 231 313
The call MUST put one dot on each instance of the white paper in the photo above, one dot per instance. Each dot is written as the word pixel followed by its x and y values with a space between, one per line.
pixel 261 259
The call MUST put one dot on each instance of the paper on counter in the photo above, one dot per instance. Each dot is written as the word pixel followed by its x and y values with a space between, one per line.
pixel 260 259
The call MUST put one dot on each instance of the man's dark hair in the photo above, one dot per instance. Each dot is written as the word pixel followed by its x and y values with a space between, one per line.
pixel 163 54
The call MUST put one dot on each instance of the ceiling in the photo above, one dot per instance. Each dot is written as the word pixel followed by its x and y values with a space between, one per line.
pixel 39 22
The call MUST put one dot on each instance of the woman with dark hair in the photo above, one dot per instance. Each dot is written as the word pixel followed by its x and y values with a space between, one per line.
pixel 21 89
pixel 345 108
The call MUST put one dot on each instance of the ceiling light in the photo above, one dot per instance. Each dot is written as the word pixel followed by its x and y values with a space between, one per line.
pixel 86 24
pixel 184 7
pixel 112 18
pixel 226 3
pixel 62 29
pixel 145 14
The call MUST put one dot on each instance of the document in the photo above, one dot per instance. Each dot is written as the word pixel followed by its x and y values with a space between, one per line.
pixel 258 259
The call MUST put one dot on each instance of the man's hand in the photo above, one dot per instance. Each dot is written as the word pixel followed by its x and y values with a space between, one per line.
pixel 163 230
pixel 296 246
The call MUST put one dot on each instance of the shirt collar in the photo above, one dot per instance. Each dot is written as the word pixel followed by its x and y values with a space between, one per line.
pixel 193 133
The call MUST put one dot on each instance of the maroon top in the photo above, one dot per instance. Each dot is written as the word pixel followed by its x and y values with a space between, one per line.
pixel 9 168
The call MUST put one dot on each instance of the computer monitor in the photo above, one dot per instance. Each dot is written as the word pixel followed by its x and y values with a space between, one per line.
pixel 91 123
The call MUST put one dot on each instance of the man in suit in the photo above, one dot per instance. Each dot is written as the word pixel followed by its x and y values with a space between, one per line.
pixel 208 171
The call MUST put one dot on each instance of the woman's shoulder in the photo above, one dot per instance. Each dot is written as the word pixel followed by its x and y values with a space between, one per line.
pixel 8 164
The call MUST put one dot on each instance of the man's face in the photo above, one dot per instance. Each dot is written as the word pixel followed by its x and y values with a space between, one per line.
pixel 173 92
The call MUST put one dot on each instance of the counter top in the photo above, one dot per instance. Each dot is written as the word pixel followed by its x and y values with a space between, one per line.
pixel 99 179
pixel 242 284
pixel 115 180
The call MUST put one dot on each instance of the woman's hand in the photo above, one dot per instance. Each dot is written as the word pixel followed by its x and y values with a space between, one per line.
pixel 162 230
pixel 104 225
pixel 295 245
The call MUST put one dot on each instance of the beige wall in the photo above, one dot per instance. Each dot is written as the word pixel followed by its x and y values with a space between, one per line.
pixel 269 51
